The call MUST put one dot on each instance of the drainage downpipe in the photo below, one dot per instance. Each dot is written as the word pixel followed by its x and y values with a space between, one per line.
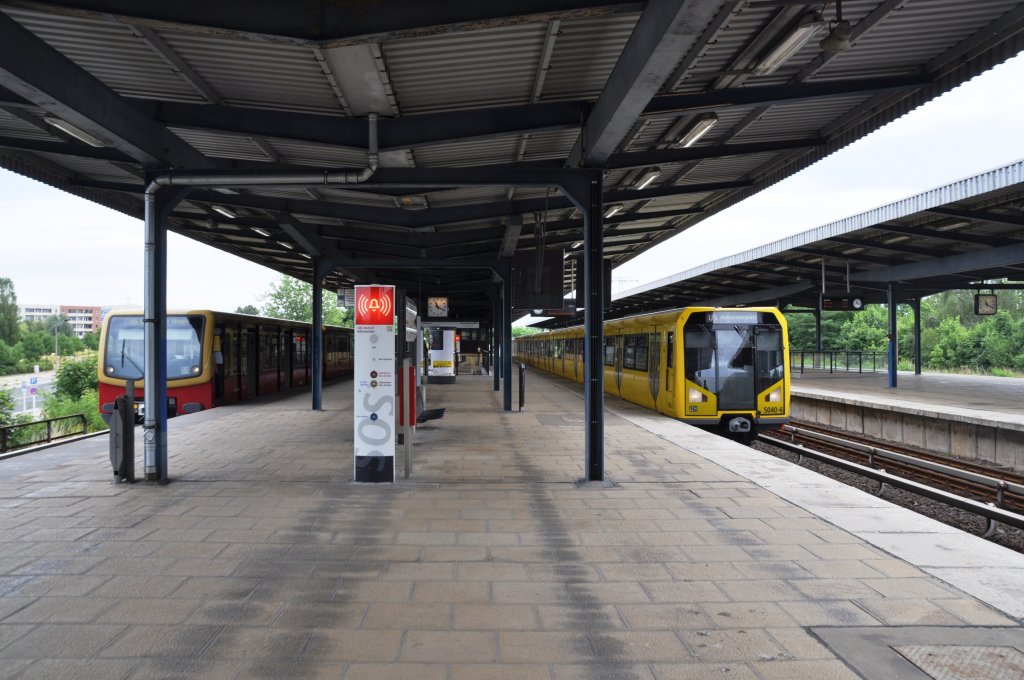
pixel 154 220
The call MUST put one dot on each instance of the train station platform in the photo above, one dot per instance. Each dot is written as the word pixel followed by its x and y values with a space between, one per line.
pixel 972 416
pixel 697 558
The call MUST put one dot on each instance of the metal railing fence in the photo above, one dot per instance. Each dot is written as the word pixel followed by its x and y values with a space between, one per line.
pixel 838 361
pixel 41 431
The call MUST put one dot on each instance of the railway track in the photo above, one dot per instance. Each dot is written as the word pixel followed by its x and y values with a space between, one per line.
pixel 997 495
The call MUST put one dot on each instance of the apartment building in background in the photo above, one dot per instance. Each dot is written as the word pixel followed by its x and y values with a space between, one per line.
pixel 83 319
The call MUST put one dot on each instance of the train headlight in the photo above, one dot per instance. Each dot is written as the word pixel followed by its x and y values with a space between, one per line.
pixel 110 370
pixel 775 396
pixel 195 370
pixel 696 396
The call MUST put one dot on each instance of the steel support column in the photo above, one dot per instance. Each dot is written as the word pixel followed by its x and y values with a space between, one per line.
pixel 817 330
pixel 506 341
pixel 495 322
pixel 320 271
pixel 158 204
pixel 893 340
pixel 915 304
pixel 593 329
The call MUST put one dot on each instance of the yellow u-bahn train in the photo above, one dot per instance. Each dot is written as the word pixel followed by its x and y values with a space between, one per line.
pixel 725 369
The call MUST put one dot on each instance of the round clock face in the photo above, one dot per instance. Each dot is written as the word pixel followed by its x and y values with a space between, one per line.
pixel 857 303
pixel 437 306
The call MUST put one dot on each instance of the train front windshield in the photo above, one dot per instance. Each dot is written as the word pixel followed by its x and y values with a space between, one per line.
pixel 733 355
pixel 124 353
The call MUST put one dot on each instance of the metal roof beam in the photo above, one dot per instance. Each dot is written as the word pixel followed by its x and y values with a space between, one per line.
pixel 639 159
pixel 303 234
pixel 666 31
pixel 755 297
pixel 394 133
pixel 334 23
pixel 979 215
pixel 975 239
pixel 894 247
pixel 1006 256
pixel 717 100
pixel 75 150
pixel 35 71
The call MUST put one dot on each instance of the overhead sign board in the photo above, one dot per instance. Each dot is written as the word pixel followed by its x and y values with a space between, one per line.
pixel 374 407
pixel 841 303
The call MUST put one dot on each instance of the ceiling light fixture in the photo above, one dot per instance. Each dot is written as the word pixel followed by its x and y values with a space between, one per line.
pixel 896 239
pixel 946 225
pixel 808 27
pixel 226 212
pixel 73 130
pixel 287 245
pixel 261 232
pixel 612 210
pixel 699 128
pixel 840 31
pixel 646 179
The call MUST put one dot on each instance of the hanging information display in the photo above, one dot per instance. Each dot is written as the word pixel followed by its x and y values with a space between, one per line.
pixel 374 405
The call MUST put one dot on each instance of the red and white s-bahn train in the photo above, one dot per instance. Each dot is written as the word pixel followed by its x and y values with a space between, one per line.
pixel 216 358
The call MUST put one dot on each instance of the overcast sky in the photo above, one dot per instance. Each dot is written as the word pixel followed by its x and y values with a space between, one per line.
pixel 60 249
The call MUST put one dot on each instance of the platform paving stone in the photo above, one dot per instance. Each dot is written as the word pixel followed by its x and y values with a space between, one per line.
pixel 492 562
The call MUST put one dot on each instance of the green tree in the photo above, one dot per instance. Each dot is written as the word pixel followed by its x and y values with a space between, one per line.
pixel 865 331
pixel 69 345
pixel 8 312
pixel 59 324
pixel 292 299
pixel 519 331
pixel 6 407
pixel 35 345
pixel 9 357
pixel 91 341
pixel 953 346
pixel 247 309
pixel 75 378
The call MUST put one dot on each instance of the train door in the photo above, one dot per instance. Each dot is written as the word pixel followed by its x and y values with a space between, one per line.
pixel 252 363
pixel 670 370
pixel 617 344
pixel 219 367
pixel 287 354
pixel 654 368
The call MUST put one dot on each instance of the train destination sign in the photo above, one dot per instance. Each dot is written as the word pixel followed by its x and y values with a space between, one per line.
pixel 841 303
pixel 374 380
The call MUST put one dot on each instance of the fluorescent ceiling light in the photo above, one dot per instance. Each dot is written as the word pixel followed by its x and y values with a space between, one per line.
pixel 287 245
pixel 412 202
pixel 306 256
pixel 852 251
pixel 76 132
pixel 699 128
pixel 612 210
pixel 946 225
pixel 810 25
pixel 646 178
pixel 896 239
pixel 226 212
pixel 261 232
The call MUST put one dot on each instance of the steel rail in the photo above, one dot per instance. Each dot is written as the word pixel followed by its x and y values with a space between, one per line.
pixel 997 485
pixel 989 511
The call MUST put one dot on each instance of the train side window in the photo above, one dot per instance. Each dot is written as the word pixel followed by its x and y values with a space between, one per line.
pixel 699 357
pixel 609 351
pixel 634 352
pixel 642 352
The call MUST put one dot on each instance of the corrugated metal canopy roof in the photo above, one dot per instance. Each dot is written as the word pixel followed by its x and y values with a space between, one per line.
pixel 959 236
pixel 285 85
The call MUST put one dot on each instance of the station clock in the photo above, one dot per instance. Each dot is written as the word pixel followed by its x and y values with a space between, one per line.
pixel 437 307
pixel 986 304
